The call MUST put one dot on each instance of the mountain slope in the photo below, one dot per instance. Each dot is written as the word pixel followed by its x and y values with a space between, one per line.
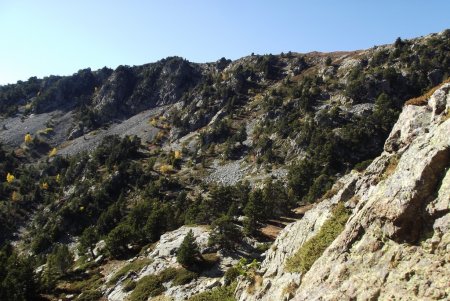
pixel 288 105
pixel 104 172
pixel 395 242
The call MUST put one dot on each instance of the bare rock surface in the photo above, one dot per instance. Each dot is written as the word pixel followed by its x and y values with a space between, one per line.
pixel 58 124
pixel 137 125
pixel 396 243
pixel 13 129
pixel 227 174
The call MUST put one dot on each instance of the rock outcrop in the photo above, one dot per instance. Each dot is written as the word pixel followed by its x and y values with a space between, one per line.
pixel 163 256
pixel 396 243
pixel 130 90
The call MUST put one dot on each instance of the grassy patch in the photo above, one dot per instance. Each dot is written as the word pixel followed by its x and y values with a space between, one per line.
pixel 92 283
pixel 84 265
pixel 255 282
pixel 152 285
pixel 162 298
pixel 179 276
pixel 90 295
pixel 311 250
pixel 128 285
pixel 208 261
pixel 423 99
pixel 361 166
pixel 168 274
pixel 331 192
pixel 231 274
pixel 223 293
pixel 148 286
pixel 262 247
pixel 290 289
pixel 184 276
pixel 134 266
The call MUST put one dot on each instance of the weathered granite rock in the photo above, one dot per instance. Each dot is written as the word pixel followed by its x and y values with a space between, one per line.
pixel 396 243
pixel 99 247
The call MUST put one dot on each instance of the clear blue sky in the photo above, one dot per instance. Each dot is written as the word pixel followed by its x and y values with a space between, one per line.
pixel 43 37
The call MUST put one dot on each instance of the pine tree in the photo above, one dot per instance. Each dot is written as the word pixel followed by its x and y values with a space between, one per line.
pixel 60 259
pixel 118 239
pixel 188 250
pixel 254 211
pixel 225 234
pixel 88 240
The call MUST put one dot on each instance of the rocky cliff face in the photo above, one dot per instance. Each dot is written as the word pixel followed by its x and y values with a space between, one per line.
pixel 396 242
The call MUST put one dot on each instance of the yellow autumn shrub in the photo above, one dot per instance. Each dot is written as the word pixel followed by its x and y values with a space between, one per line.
pixel 10 178
pixel 166 168
pixel 53 152
pixel 28 138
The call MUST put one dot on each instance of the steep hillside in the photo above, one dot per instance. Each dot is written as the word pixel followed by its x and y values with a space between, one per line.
pixel 384 234
pixel 333 110
pixel 104 173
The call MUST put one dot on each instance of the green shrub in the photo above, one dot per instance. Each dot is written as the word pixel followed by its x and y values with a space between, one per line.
pixel 225 233
pixel 90 295
pixel 168 274
pixel 264 246
pixel 134 266
pixel 223 293
pixel 148 286
pixel 311 250
pixel 184 276
pixel 231 274
pixel 93 282
pixel 362 165
pixel 152 285
pixel 179 276
pixel 41 243
pixel 118 239
pixel 128 285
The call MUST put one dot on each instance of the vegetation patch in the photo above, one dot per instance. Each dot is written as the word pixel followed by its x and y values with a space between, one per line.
pixel 255 282
pixel 231 274
pixel 128 285
pixel 446 116
pixel 131 267
pixel 184 276
pixel 392 165
pixel 148 286
pixel 85 286
pixel 423 99
pixel 223 293
pixel 162 298
pixel 290 289
pixel 311 250
pixel 152 285
pixel 361 166
pixel 90 295
pixel 331 192
pixel 179 276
